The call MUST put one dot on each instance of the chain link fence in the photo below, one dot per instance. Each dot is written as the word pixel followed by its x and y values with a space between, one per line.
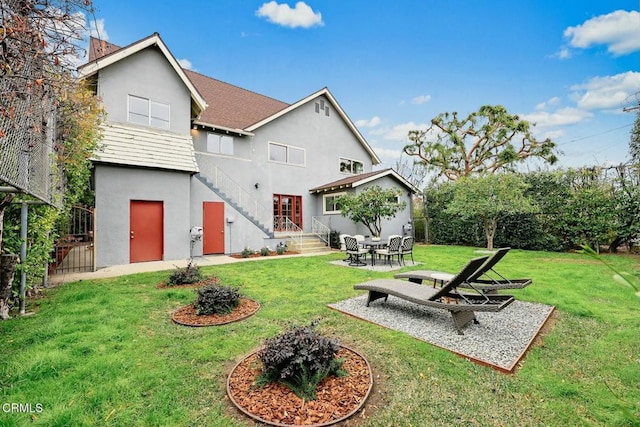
pixel 27 136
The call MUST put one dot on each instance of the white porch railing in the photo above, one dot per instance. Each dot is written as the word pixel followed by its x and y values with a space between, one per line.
pixel 321 230
pixel 233 190
pixel 284 224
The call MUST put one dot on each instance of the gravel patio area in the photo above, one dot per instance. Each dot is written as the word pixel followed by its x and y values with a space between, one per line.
pixel 500 339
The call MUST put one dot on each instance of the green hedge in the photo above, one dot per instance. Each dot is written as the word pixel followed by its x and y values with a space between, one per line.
pixel 575 207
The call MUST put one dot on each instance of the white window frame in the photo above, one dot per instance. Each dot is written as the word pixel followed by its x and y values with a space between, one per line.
pixel 288 149
pixel 154 116
pixel 324 203
pixel 220 145
pixel 351 163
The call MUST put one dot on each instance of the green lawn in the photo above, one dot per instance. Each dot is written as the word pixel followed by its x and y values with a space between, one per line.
pixel 105 352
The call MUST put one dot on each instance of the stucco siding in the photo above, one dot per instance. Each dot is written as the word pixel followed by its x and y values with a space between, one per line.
pixel 115 187
pixel 239 234
pixel 149 75
pixel 389 226
pixel 325 139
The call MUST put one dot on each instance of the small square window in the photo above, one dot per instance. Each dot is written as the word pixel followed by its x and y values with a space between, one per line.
pixel 331 205
pixel 277 153
pixel 221 144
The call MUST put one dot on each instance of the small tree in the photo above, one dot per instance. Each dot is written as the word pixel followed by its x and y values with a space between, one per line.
pixel 486 141
pixel 371 206
pixel 490 197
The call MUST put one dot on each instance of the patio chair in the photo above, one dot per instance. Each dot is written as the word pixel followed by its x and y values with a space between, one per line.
pixel 392 249
pixel 462 306
pixel 480 280
pixel 360 238
pixel 355 251
pixel 406 248
pixel 343 246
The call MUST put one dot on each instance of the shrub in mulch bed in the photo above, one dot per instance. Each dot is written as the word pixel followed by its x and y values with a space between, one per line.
pixel 186 275
pixel 215 304
pixel 299 359
pixel 300 377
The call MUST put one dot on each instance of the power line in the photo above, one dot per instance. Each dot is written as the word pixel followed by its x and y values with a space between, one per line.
pixel 596 134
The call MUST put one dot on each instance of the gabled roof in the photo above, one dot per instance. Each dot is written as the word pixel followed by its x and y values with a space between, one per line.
pixel 218 105
pixel 336 106
pixel 360 179
pixel 140 146
pixel 231 107
pixel 111 54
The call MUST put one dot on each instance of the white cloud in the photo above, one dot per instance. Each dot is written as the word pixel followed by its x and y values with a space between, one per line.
pixel 561 117
pixel 550 102
pixel 609 92
pixel 399 132
pixel 282 14
pixel 422 99
pixel 563 53
pixel 185 63
pixel 371 123
pixel 618 30
pixel 553 135
pixel 388 154
pixel 97 30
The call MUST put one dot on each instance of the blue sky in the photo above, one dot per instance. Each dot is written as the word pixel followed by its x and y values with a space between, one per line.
pixel 569 66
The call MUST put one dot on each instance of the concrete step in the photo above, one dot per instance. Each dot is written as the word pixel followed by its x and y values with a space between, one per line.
pixel 308 244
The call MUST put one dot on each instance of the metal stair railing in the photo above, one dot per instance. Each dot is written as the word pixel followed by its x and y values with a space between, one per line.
pixel 320 229
pixel 233 190
pixel 292 230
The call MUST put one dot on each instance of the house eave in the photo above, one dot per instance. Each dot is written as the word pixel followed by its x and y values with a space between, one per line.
pixel 325 91
pixel 239 132
pixel 93 67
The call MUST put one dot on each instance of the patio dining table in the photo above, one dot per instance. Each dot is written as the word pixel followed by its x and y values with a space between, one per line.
pixel 373 245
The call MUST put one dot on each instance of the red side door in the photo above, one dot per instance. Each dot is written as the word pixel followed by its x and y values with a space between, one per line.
pixel 212 228
pixel 146 230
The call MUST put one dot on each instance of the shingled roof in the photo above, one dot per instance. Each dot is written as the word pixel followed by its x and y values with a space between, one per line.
pixel 239 109
pixel 218 105
pixel 363 178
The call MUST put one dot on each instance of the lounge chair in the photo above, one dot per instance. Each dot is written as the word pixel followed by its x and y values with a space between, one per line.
pixel 462 306
pixel 355 251
pixel 481 280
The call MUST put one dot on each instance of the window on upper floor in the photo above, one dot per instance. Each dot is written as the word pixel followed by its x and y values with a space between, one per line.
pixel 220 144
pixel 351 166
pixel 146 112
pixel 286 154
pixel 330 204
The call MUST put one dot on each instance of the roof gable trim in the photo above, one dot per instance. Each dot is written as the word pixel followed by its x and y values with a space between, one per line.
pixel 104 61
pixel 336 106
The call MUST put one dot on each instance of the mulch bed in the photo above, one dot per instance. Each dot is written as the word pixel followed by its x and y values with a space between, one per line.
pixel 187 315
pixel 337 397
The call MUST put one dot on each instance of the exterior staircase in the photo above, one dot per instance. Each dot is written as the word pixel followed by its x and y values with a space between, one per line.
pixel 306 243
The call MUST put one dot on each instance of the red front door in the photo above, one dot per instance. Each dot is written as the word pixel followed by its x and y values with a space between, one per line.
pixel 146 225
pixel 212 228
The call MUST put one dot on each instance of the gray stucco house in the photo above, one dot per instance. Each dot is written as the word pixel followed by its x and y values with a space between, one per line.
pixel 190 165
